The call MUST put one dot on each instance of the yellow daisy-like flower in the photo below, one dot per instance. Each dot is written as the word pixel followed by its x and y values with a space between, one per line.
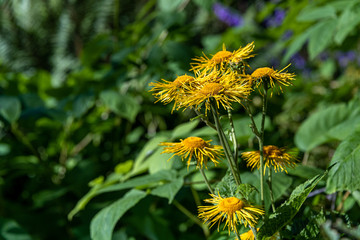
pixel 223 57
pixel 279 158
pixel 272 77
pixel 231 210
pixel 249 235
pixel 224 89
pixel 167 91
pixel 195 147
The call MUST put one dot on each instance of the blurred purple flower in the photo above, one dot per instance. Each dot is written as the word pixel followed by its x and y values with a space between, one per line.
pixel 227 15
pixel 287 35
pixel 323 56
pixel 276 19
pixel 344 58
pixel 298 61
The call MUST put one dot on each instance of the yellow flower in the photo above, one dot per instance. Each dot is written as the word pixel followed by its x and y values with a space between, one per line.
pixel 279 158
pixel 231 210
pixel 223 89
pixel 249 235
pixel 195 147
pixel 272 77
pixel 167 91
pixel 223 57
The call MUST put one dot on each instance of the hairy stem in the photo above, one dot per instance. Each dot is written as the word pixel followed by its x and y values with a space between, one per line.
pixel 233 136
pixel 225 145
pixel 206 180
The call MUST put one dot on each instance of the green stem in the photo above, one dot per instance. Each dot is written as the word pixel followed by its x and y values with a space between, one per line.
pixel 233 136
pixel 226 146
pixel 192 217
pixel 254 232
pixel 206 180
pixel 270 188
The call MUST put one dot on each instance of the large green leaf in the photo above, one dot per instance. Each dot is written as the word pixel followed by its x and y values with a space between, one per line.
pixel 321 36
pixel 124 105
pixel 102 225
pixel 111 185
pixel 10 108
pixel 316 13
pixel 328 124
pixel 345 175
pixel 10 230
pixel 184 130
pixel 296 45
pixel 348 20
pixel 168 190
pixel 283 214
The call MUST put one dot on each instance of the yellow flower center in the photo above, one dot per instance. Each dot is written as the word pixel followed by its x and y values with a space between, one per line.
pixel 194 142
pixel 211 89
pixel 179 81
pixel 231 205
pixel 262 72
pixel 272 151
pixel 221 56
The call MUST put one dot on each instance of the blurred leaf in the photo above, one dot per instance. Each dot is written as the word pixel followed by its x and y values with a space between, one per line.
pixel 321 36
pixel 283 214
pixel 124 105
pixel 10 108
pixel 95 49
pixel 199 179
pixel 348 20
pixel 10 230
pixel 304 171
pixel 82 104
pixel 124 167
pixel 102 225
pixel 324 125
pixel 168 5
pixel 296 46
pixel 184 130
pixel 158 161
pixel 316 13
pixel 345 175
pixel 4 149
pixel 168 190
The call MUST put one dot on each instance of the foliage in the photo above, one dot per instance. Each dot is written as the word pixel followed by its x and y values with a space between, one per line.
pixel 79 131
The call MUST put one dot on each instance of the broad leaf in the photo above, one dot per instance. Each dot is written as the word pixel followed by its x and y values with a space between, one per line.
pixel 102 225
pixel 316 13
pixel 10 108
pixel 168 190
pixel 283 214
pixel 345 175
pixel 327 124
pixel 348 20
pixel 184 130
pixel 321 36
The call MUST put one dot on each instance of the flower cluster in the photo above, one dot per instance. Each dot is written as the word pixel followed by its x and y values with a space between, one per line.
pixel 217 82
pixel 220 78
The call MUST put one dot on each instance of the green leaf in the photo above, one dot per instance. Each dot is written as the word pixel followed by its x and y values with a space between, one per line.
pixel 312 229
pixel 146 181
pixel 283 214
pixel 102 225
pixel 304 171
pixel 10 108
pixel 348 20
pixel 227 186
pixel 296 46
pixel 316 13
pixel 10 230
pixel 184 130
pixel 345 175
pixel 158 161
pixel 321 36
pixel 168 5
pixel 327 124
pixel 168 190
pixel 124 105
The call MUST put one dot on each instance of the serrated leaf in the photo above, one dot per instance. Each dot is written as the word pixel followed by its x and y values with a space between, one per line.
pixel 283 214
pixel 102 225
pixel 316 13
pixel 227 186
pixel 247 191
pixel 321 36
pixel 322 126
pixel 10 108
pixel 345 175
pixel 312 230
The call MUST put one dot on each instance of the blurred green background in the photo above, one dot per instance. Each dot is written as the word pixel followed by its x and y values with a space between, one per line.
pixel 74 100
